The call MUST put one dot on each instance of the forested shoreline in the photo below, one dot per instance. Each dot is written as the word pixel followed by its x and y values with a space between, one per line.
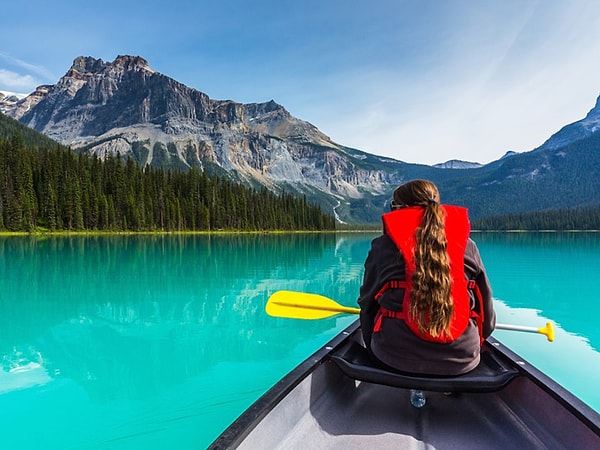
pixel 574 219
pixel 47 187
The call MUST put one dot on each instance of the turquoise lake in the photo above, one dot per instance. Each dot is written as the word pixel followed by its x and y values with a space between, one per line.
pixel 122 342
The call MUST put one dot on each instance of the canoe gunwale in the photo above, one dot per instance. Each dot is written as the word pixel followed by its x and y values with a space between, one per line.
pixel 567 399
pixel 249 419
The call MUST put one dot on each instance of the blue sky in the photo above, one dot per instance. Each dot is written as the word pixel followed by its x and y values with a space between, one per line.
pixel 420 81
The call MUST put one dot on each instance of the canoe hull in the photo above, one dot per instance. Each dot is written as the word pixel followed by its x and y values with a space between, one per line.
pixel 317 406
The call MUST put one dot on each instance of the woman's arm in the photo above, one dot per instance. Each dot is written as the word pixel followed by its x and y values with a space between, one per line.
pixel 383 263
pixel 474 265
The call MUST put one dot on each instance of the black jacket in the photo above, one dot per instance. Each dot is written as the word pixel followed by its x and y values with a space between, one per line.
pixel 398 347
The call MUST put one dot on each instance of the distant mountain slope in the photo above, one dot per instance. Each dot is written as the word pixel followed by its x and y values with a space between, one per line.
pixel 457 164
pixel 581 129
pixel 10 127
pixel 561 178
pixel 125 106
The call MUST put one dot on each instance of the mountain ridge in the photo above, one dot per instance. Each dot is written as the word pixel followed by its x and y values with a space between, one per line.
pixel 126 107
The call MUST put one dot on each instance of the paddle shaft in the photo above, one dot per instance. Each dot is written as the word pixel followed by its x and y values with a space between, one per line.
pixel 300 305
pixel 547 331
pixel 503 326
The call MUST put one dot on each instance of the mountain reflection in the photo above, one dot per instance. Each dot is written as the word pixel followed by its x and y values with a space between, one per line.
pixel 125 315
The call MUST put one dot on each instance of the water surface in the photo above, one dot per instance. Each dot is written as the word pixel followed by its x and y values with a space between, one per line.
pixel 155 341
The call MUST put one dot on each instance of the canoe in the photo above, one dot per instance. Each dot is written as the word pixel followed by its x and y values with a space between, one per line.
pixel 338 399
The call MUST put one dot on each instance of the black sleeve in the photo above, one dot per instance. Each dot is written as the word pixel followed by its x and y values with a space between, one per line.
pixel 476 271
pixel 383 263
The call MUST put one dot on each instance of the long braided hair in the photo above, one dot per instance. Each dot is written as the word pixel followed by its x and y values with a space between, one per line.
pixel 431 305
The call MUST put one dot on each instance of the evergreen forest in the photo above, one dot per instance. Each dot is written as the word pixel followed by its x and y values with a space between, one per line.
pixel 583 219
pixel 47 187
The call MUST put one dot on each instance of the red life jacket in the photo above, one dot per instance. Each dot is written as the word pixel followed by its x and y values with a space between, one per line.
pixel 401 226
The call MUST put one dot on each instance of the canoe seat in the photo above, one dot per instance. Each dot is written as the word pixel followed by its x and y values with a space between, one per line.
pixel 491 375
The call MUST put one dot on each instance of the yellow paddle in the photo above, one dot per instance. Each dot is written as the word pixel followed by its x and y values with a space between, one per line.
pixel 300 305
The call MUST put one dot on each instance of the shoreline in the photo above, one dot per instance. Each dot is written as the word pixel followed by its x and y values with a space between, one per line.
pixel 232 232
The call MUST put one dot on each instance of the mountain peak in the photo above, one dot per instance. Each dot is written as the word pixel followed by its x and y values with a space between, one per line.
pixel 575 131
pixel 509 153
pixel 594 113
pixel 88 64
pixel 124 105
pixel 127 62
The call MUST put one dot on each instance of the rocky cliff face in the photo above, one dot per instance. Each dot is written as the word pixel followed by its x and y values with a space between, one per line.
pixel 125 106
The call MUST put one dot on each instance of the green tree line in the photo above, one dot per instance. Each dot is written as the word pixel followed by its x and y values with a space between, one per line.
pixel 45 186
pixel 561 220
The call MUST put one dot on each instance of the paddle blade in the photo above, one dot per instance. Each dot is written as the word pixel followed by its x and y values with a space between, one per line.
pixel 300 305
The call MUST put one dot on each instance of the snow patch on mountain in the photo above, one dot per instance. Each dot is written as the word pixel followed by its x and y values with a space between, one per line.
pixel 458 164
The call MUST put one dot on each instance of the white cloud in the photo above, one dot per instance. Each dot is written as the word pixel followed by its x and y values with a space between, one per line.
pixel 21 76
pixel 12 81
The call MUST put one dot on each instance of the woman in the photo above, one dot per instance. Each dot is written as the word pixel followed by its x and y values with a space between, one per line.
pixel 426 302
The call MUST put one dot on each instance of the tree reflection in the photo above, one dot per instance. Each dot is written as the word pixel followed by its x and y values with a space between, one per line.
pixel 125 315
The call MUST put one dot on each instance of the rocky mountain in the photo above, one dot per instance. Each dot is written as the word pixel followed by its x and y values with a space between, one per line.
pixel 10 99
pixel 127 107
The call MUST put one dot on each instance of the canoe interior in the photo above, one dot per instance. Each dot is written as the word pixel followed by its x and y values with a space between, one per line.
pixel 317 406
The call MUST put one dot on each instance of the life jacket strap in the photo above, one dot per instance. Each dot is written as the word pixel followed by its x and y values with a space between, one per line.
pixel 477 315
pixel 395 284
pixel 384 312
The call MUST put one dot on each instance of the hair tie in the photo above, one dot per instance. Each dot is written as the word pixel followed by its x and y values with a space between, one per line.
pixel 431 201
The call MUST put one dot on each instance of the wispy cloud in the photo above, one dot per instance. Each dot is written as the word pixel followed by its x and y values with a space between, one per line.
pixel 20 76
pixel 40 71
pixel 16 82
pixel 498 79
